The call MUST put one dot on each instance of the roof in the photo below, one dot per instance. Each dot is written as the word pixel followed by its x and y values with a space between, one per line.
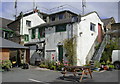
pixel 4 22
pixel 63 12
pixel 63 21
pixel 107 21
pixel 91 13
pixel 10 44
pixel 33 43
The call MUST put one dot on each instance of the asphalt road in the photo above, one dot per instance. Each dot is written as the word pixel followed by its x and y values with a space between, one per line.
pixel 45 76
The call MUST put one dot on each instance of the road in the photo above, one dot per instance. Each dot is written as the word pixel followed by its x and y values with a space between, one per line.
pixel 45 76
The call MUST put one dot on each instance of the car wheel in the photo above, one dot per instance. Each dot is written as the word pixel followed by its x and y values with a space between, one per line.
pixel 117 66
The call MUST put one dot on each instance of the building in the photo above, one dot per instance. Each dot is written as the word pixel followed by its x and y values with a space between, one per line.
pixel 107 23
pixel 22 24
pixel 47 40
pixel 6 49
pixel 5 32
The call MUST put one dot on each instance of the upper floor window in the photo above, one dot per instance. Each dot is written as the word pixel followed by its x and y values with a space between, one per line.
pixel 53 18
pixel 60 28
pixel 61 16
pixel 41 33
pixel 33 33
pixel 28 23
pixel 92 26
pixel 26 37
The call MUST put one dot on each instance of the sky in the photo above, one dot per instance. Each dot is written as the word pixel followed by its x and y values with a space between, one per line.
pixel 105 9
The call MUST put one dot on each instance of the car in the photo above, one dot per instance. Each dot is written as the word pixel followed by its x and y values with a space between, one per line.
pixel 116 58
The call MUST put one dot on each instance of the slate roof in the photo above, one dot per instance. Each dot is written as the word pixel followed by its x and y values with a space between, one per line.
pixel 4 22
pixel 107 21
pixel 11 45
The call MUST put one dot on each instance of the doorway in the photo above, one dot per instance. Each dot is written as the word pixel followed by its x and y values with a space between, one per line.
pixel 60 53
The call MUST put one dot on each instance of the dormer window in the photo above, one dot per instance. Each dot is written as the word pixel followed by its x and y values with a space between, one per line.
pixel 61 16
pixel 53 18
pixel 28 23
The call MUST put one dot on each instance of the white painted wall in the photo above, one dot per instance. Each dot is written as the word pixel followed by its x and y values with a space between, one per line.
pixel 35 20
pixel 86 40
pixel 52 39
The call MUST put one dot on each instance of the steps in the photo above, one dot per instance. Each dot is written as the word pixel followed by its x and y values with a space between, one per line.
pixel 98 54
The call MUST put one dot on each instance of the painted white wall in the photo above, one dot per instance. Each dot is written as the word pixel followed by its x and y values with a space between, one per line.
pixel 52 39
pixel 35 20
pixel 86 40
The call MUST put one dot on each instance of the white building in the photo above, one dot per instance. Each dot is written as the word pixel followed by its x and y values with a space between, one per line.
pixel 49 36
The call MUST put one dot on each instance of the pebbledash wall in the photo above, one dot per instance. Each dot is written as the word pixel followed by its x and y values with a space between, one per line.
pixel 85 38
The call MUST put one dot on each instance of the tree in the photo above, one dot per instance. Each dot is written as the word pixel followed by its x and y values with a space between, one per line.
pixel 112 45
pixel 70 47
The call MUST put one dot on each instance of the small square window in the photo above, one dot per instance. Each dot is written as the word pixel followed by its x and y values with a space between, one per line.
pixel 28 23
pixel 61 16
pixel 53 18
pixel 92 27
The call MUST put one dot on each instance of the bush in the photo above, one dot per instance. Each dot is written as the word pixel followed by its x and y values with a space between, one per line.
pixel 5 64
pixel 53 67
pixel 111 66
pixel 59 67
pixel 97 64
pixel 43 66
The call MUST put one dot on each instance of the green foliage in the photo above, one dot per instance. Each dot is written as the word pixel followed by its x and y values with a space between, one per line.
pixel 111 66
pixel 5 63
pixel 97 64
pixel 53 67
pixel 113 45
pixel 43 66
pixel 59 67
pixel 70 47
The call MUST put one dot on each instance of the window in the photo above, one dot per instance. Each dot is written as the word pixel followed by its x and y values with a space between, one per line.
pixel 6 35
pixel 45 18
pixel 61 16
pixel 60 28
pixel 92 27
pixel 33 33
pixel 28 23
pixel 53 18
pixel 41 33
pixel 26 37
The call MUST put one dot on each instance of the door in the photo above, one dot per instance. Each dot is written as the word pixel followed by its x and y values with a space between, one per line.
pixel 60 53
pixel 100 33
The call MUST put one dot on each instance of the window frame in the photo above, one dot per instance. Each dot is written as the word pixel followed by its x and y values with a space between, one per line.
pixel 28 23
pixel 59 16
pixel 33 36
pixel 57 28
pixel 26 37
pixel 92 26
pixel 41 33
pixel 52 18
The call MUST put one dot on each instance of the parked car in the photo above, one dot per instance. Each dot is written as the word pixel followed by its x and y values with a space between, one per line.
pixel 116 58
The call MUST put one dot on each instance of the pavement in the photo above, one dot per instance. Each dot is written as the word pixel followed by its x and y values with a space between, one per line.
pixel 41 75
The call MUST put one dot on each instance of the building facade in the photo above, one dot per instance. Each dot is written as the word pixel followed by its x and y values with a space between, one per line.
pixel 47 39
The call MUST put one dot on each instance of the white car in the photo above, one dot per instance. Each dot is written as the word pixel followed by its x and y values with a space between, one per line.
pixel 116 58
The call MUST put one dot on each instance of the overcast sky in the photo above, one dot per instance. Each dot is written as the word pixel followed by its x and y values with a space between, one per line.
pixel 105 9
